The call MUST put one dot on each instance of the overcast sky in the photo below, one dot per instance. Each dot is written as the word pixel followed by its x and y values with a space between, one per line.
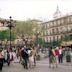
pixel 33 9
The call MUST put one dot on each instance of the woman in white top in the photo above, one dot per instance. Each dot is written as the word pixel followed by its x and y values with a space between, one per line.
pixel 31 58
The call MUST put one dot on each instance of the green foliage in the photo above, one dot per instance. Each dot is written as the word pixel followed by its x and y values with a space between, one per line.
pixel 70 37
pixel 56 43
pixel 6 35
pixel 24 27
pixel 52 44
pixel 46 44
pixel 39 41
pixel 66 38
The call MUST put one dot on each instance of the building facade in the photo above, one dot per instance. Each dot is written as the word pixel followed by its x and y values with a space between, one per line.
pixel 3 24
pixel 57 28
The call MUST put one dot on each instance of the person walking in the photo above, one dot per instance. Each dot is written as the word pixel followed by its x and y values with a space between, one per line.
pixel 34 55
pixel 25 56
pixel 51 57
pixel 60 55
pixel 8 58
pixel 56 54
pixel 1 60
pixel 31 59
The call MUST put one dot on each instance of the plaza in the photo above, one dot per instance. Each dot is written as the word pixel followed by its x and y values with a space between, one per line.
pixel 42 66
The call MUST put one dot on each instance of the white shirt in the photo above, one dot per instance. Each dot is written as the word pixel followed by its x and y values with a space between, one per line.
pixel 60 51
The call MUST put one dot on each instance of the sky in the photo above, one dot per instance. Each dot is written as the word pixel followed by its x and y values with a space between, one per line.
pixel 33 9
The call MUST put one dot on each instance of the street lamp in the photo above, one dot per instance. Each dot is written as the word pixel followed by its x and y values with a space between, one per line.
pixel 10 26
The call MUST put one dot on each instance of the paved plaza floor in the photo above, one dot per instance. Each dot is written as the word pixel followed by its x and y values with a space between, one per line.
pixel 42 66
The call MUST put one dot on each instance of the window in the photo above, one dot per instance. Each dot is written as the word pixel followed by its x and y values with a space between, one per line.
pixel 50 32
pixel 50 39
pixel 54 23
pixel 45 33
pixel 71 18
pixel 45 39
pixel 70 37
pixel 53 38
pixel 57 30
pixel 51 24
pixel 45 26
pixel 57 37
pixel 61 37
pixel 53 31
pixel 69 27
pixel 58 22
pixel 60 29
pixel 48 25
pixel 62 21
pixel 68 19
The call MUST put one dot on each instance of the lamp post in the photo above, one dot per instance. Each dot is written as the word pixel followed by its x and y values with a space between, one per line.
pixel 10 26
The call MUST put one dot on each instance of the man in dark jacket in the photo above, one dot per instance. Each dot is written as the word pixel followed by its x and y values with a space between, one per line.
pixel 25 56
pixel 1 60
pixel 8 58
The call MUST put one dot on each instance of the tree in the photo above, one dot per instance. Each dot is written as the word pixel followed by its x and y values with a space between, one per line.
pixel 66 38
pixel 25 27
pixel 70 37
pixel 6 35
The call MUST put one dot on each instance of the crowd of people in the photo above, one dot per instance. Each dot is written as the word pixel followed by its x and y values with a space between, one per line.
pixel 57 55
pixel 25 55
pixel 28 57
pixel 5 57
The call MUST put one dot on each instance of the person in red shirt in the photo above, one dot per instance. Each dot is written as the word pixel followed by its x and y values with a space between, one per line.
pixel 56 51
pixel 18 52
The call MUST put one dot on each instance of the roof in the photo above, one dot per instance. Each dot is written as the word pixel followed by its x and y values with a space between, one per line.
pixel 36 20
pixel 57 18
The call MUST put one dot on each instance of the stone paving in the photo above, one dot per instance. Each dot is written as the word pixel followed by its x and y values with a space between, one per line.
pixel 42 66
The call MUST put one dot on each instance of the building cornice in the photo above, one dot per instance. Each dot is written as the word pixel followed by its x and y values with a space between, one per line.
pixel 57 19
